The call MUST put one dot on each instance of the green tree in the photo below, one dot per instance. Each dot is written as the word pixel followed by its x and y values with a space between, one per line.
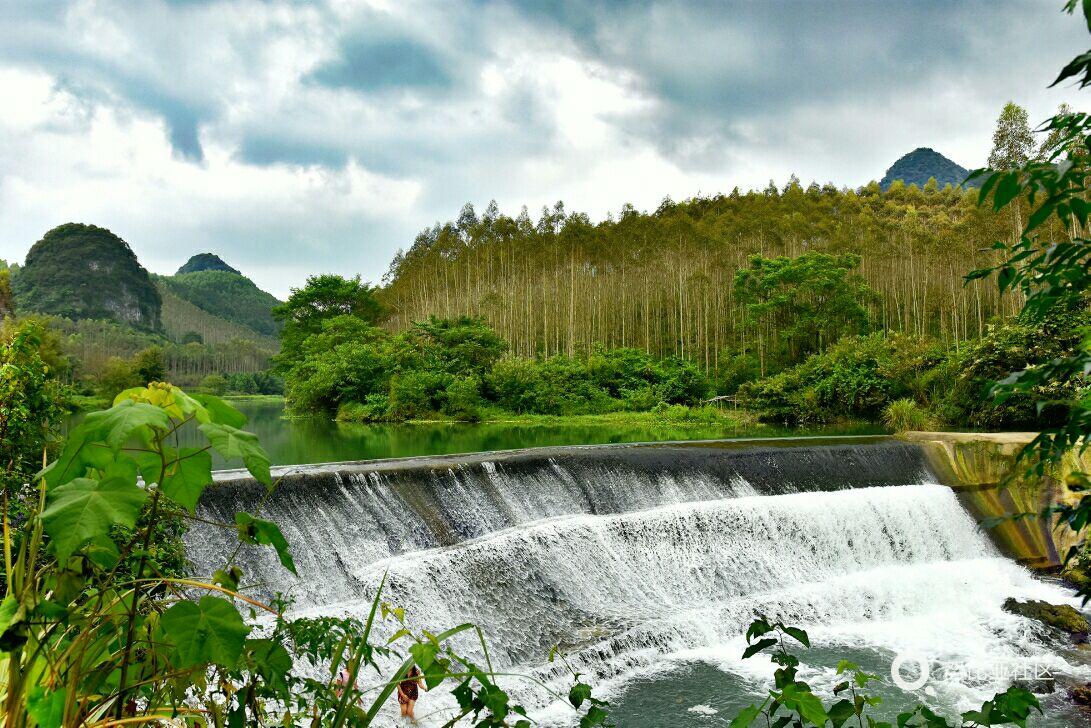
pixel 803 304
pixel 1052 140
pixel 150 366
pixel 117 375
pixel 1013 142
pixel 31 406
pixel 214 384
pixel 462 346
pixel 7 298
pixel 323 297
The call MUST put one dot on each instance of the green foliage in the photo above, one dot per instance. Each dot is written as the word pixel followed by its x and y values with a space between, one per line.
pixel 323 297
pixel 227 295
pixel 87 272
pixel 118 375
pixel 855 378
pixel 904 414
pixel 1016 346
pixel 1013 143
pixel 806 302
pixel 461 346
pixel 415 394
pixel 454 367
pixel 794 702
pixel 216 384
pixel 462 399
pixel 7 297
pixel 95 628
pixel 254 383
pixel 150 365
pixel 31 405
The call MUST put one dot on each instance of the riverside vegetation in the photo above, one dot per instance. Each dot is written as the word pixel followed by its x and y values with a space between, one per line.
pixel 100 625
pixel 1052 275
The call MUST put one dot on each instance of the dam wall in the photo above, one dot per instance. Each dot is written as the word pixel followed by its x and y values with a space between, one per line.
pixel 984 471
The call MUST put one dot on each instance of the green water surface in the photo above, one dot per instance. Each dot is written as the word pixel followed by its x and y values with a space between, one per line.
pixel 317 440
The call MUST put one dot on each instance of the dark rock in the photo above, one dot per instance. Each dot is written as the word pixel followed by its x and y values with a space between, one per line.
pixel 1080 694
pixel 1059 616
pixel 1038 686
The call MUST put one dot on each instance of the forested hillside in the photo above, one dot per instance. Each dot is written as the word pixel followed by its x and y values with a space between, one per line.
pixel 86 272
pixel 921 165
pixel 664 281
pixel 186 323
pixel 230 296
pixel 205 261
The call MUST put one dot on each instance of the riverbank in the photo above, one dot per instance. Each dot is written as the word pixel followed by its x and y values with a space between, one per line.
pixel 89 403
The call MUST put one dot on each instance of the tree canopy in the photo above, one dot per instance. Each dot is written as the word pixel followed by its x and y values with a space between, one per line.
pixel 322 298
pixel 806 302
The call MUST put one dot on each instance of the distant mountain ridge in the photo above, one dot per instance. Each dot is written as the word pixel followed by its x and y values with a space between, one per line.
pixel 226 293
pixel 205 261
pixel 922 164
pixel 83 272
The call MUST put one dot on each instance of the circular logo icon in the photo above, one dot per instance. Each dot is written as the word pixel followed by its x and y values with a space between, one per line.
pixel 916 665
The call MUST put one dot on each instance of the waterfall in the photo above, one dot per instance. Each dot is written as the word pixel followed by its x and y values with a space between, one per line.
pixel 632 557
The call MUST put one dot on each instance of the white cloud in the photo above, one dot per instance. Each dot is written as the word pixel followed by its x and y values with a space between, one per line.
pixel 196 126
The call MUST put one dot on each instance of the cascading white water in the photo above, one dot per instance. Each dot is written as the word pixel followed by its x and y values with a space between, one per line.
pixel 672 570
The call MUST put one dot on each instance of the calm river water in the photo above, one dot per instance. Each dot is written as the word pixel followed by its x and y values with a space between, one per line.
pixel 315 440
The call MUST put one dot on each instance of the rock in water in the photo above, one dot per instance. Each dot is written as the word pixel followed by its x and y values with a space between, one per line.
pixel 1059 616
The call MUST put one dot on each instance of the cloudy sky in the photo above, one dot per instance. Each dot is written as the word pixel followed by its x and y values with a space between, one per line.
pixel 302 137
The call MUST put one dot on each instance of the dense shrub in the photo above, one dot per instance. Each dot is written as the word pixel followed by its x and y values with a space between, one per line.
pixel 415 394
pixel 856 377
pixel 255 383
pixel 374 408
pixel 454 367
pixel 462 399
pixel 214 384
pixel 904 414
pixel 1011 347
pixel 515 384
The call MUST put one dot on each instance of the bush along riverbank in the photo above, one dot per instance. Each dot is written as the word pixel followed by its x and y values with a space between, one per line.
pixel 456 370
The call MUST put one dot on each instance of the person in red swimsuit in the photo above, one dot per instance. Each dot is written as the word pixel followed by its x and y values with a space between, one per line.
pixel 407 692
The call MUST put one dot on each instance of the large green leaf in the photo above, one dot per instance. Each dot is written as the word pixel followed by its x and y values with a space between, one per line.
pixel 745 717
pixel 188 476
pixel 125 420
pixel 84 509
pixel 221 412
pixel 207 632
pixel 81 451
pixel 46 707
pixel 232 443
pixel 267 533
pixel 8 608
pixel 272 661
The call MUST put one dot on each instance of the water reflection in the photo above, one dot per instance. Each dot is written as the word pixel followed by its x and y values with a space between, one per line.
pixel 315 440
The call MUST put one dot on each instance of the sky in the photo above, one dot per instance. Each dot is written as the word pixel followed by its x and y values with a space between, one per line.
pixel 294 138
